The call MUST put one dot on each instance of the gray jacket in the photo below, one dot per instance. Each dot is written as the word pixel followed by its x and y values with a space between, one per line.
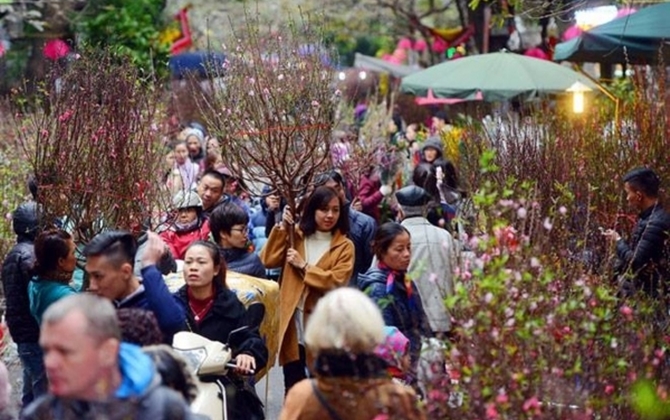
pixel 434 259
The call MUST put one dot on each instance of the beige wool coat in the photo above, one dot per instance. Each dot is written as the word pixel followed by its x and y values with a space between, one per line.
pixel 333 270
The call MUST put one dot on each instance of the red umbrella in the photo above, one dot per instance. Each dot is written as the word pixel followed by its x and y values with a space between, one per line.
pixel 55 49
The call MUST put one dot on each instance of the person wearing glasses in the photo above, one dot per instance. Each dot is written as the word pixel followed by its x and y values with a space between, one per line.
pixel 229 224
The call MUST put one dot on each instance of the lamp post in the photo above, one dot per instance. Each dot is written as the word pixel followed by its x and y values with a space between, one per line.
pixel 607 93
pixel 578 90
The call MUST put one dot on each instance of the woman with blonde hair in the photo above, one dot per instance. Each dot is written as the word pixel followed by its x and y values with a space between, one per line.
pixel 351 382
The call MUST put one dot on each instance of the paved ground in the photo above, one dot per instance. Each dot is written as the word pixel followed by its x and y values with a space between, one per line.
pixel 275 396
pixel 11 360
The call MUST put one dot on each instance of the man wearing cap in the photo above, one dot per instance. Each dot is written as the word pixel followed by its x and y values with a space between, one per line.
pixel 434 257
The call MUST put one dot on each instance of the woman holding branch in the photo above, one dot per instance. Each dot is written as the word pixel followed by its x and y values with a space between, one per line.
pixel 321 259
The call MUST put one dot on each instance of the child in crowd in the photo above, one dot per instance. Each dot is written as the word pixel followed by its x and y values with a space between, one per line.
pixel 195 141
pixel 395 352
pixel 188 170
pixel 189 226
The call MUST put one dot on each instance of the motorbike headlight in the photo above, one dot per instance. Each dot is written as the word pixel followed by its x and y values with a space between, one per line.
pixel 194 357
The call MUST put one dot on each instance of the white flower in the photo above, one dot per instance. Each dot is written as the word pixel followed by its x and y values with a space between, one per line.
pixel 521 213
pixel 547 224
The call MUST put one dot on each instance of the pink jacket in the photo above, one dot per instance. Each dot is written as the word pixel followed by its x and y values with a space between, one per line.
pixel 370 196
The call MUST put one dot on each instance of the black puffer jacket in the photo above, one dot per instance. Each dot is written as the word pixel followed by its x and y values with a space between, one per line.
pixel 645 255
pixel 16 275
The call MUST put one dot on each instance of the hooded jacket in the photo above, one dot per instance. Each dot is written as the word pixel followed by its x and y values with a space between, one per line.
pixel 16 276
pixel 434 143
pixel 398 308
pixel 44 292
pixel 178 240
pixel 139 396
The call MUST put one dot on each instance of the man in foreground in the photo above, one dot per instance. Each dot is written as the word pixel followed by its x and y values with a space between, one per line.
pixel 92 375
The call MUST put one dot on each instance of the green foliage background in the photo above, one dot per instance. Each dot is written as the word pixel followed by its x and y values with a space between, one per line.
pixel 132 27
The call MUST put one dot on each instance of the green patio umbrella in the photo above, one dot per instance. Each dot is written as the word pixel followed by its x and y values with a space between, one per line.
pixel 497 76
pixel 641 33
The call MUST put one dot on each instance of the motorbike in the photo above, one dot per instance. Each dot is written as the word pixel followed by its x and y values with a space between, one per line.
pixel 210 361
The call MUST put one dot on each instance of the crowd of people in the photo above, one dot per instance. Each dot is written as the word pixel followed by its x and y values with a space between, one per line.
pixel 81 352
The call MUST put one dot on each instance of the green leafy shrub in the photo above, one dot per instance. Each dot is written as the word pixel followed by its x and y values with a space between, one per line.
pixel 131 27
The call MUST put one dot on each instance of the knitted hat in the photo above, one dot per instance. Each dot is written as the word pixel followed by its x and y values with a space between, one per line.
pixel 394 347
pixel 188 132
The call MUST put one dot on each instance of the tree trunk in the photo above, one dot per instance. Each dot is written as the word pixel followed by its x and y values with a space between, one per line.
pixel 36 66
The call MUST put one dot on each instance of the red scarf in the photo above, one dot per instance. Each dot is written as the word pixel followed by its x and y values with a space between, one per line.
pixel 200 307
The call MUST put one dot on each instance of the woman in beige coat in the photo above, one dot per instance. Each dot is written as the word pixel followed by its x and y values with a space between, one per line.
pixel 321 260
pixel 351 382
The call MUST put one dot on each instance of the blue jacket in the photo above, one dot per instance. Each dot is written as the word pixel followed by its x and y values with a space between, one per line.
pixel 244 262
pixel 362 230
pixel 153 295
pixel 397 308
pixel 43 292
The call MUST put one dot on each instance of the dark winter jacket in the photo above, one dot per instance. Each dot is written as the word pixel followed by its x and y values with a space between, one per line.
pixel 154 296
pixel 140 396
pixel 16 275
pixel 227 314
pixel 362 230
pixel 259 220
pixel 434 143
pixel 399 310
pixel 243 261
pixel 645 255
